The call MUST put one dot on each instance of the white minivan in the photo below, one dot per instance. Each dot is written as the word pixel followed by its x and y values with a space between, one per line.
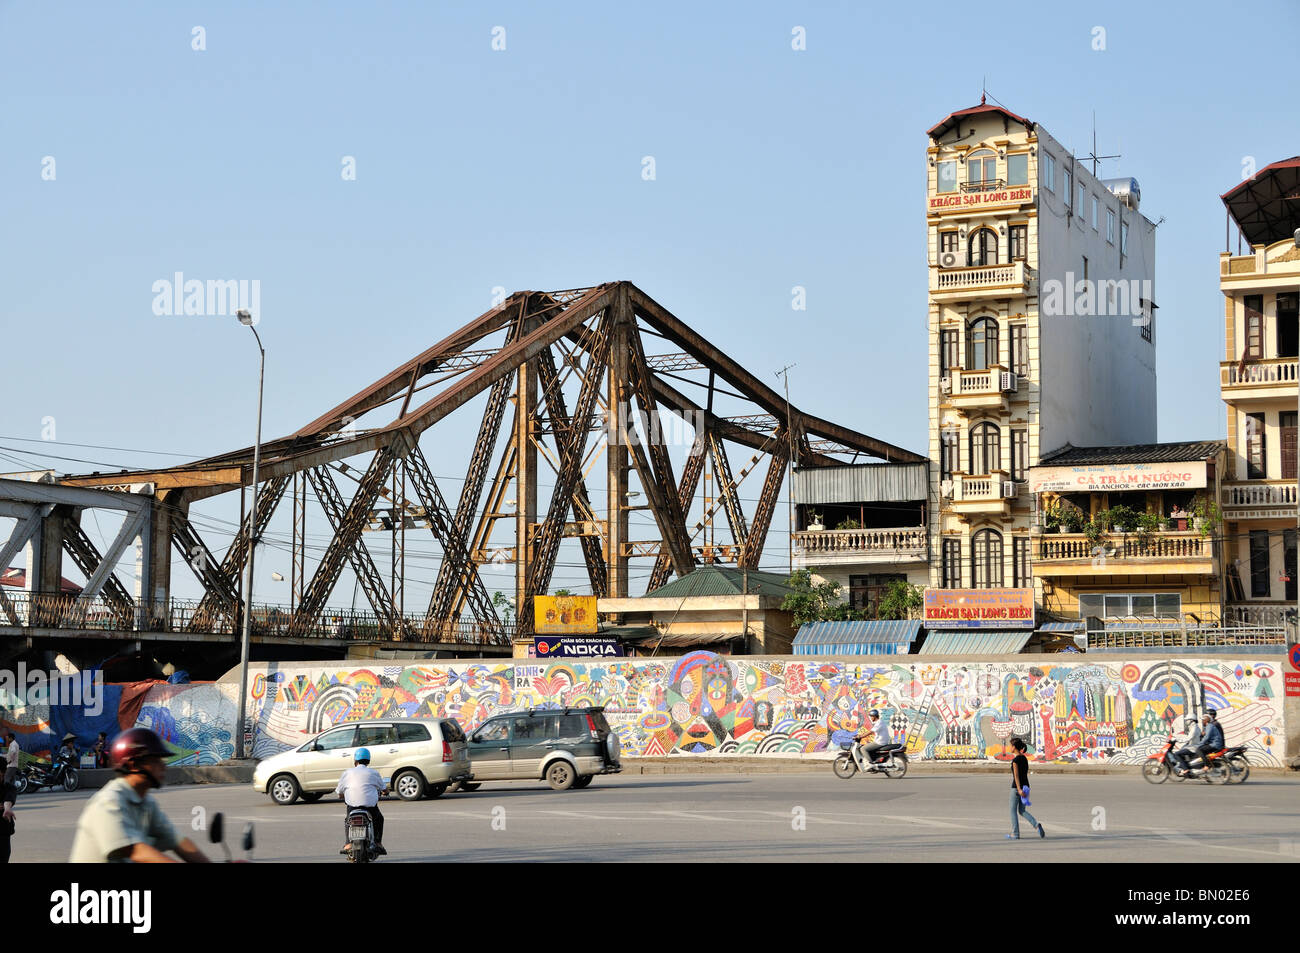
pixel 418 758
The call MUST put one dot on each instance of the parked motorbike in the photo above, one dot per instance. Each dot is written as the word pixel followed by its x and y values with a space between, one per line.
pixel 360 829
pixel 891 761
pixel 59 774
pixel 1161 765
pixel 216 832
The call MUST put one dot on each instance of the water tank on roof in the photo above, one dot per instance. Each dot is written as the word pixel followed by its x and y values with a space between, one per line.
pixel 1126 190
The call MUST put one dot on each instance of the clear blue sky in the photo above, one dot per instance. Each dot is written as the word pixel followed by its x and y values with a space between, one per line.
pixel 522 168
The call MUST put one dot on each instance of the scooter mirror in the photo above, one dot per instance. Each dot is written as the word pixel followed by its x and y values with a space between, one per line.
pixel 217 828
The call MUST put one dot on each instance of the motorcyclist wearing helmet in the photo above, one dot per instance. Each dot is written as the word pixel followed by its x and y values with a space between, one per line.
pixel 122 823
pixel 1192 748
pixel 880 729
pixel 360 787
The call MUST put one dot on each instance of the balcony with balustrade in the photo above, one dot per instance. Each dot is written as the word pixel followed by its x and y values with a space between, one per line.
pixel 986 389
pixel 1260 500
pixel 981 281
pixel 839 547
pixel 982 495
pixel 1259 381
pixel 1156 553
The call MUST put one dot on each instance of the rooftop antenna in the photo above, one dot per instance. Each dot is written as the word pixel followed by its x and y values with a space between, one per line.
pixel 1093 155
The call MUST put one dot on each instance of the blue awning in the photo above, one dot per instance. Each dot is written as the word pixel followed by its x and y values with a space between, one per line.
pixel 892 637
pixel 1068 627
pixel 968 642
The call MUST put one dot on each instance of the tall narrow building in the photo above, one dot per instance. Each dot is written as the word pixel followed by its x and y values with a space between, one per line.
pixel 1042 330
pixel 1257 381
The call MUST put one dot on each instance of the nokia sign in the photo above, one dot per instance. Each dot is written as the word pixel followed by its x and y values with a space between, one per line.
pixel 576 647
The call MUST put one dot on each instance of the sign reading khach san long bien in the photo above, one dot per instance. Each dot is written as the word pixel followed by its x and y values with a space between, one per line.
pixel 979 608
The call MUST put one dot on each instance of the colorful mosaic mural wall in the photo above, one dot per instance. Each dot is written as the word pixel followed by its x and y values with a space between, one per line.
pixel 705 704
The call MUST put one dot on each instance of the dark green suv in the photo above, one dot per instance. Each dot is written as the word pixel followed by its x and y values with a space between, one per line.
pixel 566 747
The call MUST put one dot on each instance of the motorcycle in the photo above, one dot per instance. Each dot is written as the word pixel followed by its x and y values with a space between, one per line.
pixel 1238 766
pixel 59 774
pixel 216 832
pixel 360 829
pixel 1160 765
pixel 891 761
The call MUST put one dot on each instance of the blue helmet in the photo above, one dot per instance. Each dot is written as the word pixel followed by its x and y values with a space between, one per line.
pixel 362 756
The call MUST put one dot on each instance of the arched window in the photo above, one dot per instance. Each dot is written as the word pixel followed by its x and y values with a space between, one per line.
pixel 981 170
pixel 981 344
pixel 983 247
pixel 985 448
pixel 986 556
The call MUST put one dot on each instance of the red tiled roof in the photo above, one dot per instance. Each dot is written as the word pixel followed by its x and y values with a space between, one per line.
pixel 17 578
pixel 940 128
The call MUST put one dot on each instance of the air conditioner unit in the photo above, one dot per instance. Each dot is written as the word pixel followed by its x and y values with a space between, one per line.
pixel 945 385
pixel 1009 490
pixel 949 259
pixel 1010 381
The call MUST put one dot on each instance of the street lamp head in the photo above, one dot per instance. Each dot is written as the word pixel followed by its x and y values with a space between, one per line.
pixel 244 317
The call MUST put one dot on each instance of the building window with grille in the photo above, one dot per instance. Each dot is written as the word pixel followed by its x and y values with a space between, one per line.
pixel 1020 562
pixel 1019 455
pixel 983 247
pixel 985 448
pixel 865 592
pixel 951 568
pixel 1017 242
pixel 949 352
pixel 1019 336
pixel 1256 455
pixel 1259 581
pixel 1287 427
pixel 982 344
pixel 1254 327
pixel 986 557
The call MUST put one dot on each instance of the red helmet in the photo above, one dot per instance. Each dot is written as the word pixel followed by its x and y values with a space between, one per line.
pixel 133 744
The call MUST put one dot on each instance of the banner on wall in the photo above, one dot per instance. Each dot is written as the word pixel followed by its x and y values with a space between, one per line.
pixel 979 608
pixel 551 646
pixel 1118 477
pixel 564 615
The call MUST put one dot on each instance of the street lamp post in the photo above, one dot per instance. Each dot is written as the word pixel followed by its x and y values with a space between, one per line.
pixel 247 320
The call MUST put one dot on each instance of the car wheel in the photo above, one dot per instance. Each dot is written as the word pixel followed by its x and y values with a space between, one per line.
pixel 560 775
pixel 284 789
pixel 583 780
pixel 409 785
pixel 70 780
pixel 311 797
pixel 436 790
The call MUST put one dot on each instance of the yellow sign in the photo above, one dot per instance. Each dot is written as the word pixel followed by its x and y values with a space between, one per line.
pixel 564 615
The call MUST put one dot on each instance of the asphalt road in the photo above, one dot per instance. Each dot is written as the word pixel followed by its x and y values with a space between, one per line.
pixel 793 817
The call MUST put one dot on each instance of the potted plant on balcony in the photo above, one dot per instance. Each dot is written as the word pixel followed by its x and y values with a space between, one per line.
pixel 1206 515
pixel 1148 525
pixel 1073 520
pixel 1095 530
pixel 1052 520
pixel 849 523
pixel 1120 518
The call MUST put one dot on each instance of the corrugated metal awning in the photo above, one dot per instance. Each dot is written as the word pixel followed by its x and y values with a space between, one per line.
pixel 888 637
pixel 1068 627
pixel 964 642
pixel 681 640
pixel 864 483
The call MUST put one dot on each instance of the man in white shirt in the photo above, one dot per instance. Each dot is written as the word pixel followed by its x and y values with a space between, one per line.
pixel 11 758
pixel 880 728
pixel 361 786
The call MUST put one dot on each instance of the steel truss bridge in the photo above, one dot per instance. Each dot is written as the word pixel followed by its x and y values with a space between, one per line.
pixel 570 381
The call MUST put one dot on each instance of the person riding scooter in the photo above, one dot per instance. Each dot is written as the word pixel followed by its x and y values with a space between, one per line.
pixel 880 728
pixel 360 787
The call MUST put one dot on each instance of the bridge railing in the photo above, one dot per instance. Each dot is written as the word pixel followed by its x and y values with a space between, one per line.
pixel 61 610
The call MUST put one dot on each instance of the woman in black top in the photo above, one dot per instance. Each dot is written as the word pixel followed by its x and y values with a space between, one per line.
pixel 1019 789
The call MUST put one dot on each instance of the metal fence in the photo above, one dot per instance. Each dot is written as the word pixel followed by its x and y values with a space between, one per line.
pixel 67 611
pixel 1156 636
